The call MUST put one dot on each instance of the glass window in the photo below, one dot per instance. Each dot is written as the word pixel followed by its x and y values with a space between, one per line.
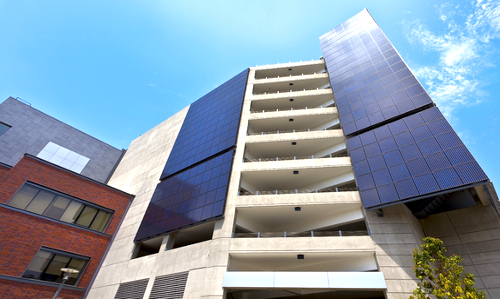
pixel 87 216
pixel 72 212
pixel 40 202
pixel 23 197
pixel 47 264
pixel 4 128
pixel 100 221
pixel 53 205
pixel 38 264
pixel 57 207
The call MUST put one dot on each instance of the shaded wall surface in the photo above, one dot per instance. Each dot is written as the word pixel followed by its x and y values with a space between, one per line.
pixel 474 234
pixel 194 182
pixel 31 130
pixel 399 142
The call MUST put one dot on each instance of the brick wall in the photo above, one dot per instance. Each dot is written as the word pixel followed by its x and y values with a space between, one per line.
pixel 3 170
pixel 18 290
pixel 58 179
pixel 22 234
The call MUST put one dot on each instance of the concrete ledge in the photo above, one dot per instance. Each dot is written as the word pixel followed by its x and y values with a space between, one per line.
pixel 327 91
pixel 288 65
pixel 299 199
pixel 294 113
pixel 302 244
pixel 291 78
pixel 317 163
pixel 296 136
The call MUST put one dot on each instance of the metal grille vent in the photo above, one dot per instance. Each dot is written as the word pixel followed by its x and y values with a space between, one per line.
pixel 132 289
pixel 169 286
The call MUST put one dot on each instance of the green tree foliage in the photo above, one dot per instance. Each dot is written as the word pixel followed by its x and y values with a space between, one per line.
pixel 440 275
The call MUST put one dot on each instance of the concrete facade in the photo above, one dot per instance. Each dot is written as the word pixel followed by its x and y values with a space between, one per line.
pixel 260 232
pixel 138 173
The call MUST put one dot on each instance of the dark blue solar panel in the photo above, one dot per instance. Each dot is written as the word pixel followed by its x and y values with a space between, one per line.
pixel 471 172
pixel 428 146
pixel 377 163
pixel 387 193
pixel 449 140
pixel 447 178
pixel 426 184
pixel 365 182
pixel 354 143
pixel 459 155
pixel 361 167
pixel 387 144
pixel 406 188
pixel 437 161
pixel 393 158
pixel 403 139
pixel 372 150
pixel 188 197
pixel 210 126
pixel 420 133
pixel 410 152
pixel 418 167
pixel 411 157
pixel 357 154
pixel 382 177
pixel 370 198
pixel 368 138
pixel 362 61
pixel 399 172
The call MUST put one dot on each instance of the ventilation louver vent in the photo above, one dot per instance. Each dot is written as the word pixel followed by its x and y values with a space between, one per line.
pixel 132 289
pixel 169 286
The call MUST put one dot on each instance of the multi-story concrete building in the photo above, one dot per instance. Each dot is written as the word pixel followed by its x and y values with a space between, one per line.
pixel 301 180
pixel 311 179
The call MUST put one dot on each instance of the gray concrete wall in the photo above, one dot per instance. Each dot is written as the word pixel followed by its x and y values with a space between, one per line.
pixel 396 235
pixel 138 173
pixel 32 130
pixel 474 234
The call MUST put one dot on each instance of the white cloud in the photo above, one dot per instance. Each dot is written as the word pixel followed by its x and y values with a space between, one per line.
pixel 485 20
pixel 461 51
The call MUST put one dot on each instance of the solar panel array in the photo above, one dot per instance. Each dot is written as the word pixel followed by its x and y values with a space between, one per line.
pixel 370 81
pixel 400 145
pixel 210 126
pixel 410 157
pixel 188 197
pixel 195 179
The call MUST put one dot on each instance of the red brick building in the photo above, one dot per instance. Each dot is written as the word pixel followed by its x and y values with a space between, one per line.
pixel 51 218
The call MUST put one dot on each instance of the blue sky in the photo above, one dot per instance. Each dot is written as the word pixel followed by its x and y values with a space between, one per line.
pixel 115 69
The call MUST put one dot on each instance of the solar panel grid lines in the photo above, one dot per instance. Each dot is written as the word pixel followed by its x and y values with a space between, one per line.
pixel 363 66
pixel 210 126
pixel 411 157
pixel 190 196
pixel 194 182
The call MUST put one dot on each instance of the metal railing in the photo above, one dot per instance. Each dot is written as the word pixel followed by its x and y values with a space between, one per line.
pixel 298 191
pixel 291 91
pixel 331 155
pixel 286 131
pixel 289 109
pixel 307 74
pixel 311 233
